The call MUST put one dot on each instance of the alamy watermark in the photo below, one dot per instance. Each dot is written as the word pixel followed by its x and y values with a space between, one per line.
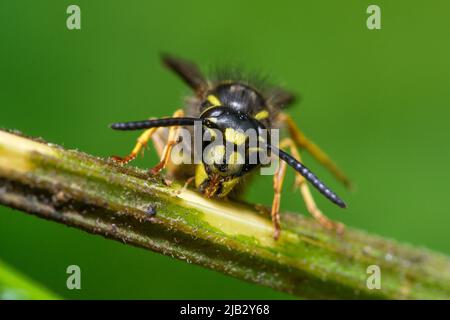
pixel 74 279
pixel 373 22
pixel 374 279
pixel 73 21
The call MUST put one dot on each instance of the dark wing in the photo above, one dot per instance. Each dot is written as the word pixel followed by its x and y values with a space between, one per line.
pixel 281 98
pixel 187 71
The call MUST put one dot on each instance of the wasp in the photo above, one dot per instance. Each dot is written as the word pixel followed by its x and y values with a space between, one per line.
pixel 229 105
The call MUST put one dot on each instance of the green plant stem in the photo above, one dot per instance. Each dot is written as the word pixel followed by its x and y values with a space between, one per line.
pixel 118 202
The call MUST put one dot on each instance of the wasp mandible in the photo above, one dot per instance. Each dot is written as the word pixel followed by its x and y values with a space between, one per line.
pixel 229 105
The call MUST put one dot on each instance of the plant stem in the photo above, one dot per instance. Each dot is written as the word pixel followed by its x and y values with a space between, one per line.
pixel 119 203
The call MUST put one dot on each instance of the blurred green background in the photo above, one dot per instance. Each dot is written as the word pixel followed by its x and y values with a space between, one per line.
pixel 377 101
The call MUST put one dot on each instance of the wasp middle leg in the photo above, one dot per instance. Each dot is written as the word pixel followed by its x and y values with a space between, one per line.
pixel 303 142
pixel 171 141
pixel 278 180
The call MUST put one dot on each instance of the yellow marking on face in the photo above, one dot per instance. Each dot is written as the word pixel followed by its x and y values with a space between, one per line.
pixel 262 115
pixel 213 100
pixel 200 175
pixel 227 186
pixel 234 136
pixel 235 162
pixel 215 155
pixel 213 120
pixel 212 132
pixel 235 158
pixel 255 149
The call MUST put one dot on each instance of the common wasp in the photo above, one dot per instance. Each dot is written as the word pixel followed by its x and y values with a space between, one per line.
pixel 229 106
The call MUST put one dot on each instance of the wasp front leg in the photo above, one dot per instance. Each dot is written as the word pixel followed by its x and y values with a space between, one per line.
pixel 163 152
pixel 300 183
pixel 141 143
pixel 172 140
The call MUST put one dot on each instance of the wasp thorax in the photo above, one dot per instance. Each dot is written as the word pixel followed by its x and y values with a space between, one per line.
pixel 237 96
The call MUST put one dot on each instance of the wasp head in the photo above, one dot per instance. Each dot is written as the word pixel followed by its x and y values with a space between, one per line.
pixel 231 147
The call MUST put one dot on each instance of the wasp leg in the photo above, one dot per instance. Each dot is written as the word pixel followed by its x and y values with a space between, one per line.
pixel 302 141
pixel 300 182
pixel 159 142
pixel 141 143
pixel 171 141
pixel 278 179
pixel 186 185
pixel 159 139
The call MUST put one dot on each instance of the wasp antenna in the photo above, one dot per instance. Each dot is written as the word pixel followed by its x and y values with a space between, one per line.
pixel 308 175
pixel 153 123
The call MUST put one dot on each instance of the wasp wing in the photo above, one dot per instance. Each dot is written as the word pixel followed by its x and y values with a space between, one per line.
pixel 281 98
pixel 187 71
